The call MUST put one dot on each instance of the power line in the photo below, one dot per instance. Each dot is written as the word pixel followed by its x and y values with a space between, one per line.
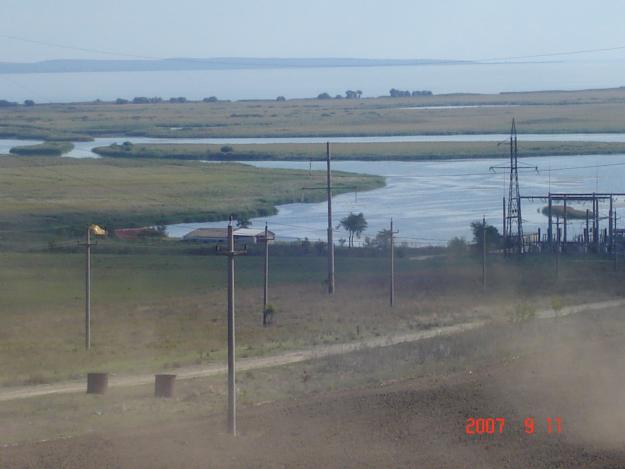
pixel 605 165
pixel 266 62
pixel 552 54
pixel 82 49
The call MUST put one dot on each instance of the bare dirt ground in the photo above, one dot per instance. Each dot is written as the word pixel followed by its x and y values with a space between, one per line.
pixel 570 367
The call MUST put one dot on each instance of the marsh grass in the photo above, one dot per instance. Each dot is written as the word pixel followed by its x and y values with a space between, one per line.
pixel 406 151
pixel 541 112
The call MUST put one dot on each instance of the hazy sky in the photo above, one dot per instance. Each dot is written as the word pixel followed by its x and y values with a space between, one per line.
pixel 462 29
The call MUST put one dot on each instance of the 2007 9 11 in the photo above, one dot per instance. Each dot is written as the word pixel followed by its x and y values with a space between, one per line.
pixel 490 425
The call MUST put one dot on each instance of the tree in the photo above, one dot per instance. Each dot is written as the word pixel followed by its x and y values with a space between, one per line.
pixel 243 221
pixel 210 99
pixel 493 238
pixel 354 224
pixel 280 98
pixel 324 96
pixel 121 101
pixel 395 93
pixel 29 103
pixel 383 238
pixel 226 149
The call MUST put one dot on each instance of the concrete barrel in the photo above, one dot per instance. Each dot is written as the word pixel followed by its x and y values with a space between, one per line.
pixel 97 383
pixel 164 385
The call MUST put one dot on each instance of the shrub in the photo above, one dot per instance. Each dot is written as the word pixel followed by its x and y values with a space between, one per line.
pixel 523 312
pixel 226 149
pixel 457 247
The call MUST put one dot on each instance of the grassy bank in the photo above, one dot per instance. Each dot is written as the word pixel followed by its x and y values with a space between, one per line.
pixel 43 149
pixel 539 112
pixel 60 196
pixel 406 151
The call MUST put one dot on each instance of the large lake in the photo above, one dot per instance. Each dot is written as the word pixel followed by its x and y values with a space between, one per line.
pixel 309 82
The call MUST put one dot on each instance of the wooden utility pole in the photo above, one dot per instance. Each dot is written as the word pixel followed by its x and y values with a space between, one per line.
pixel 614 253
pixel 550 226
pixel 266 286
pixel 88 289
pixel 565 225
pixel 610 226
pixel 330 229
pixel 232 399
pixel 557 247
pixel 483 253
pixel 587 234
pixel 97 231
pixel 505 242
pixel 392 265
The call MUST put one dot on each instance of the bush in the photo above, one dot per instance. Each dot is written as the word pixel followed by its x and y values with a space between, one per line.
pixel 226 149
pixel 210 99
pixel 557 305
pixel 523 312
pixel 457 247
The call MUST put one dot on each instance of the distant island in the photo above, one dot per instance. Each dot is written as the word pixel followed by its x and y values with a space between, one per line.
pixel 223 63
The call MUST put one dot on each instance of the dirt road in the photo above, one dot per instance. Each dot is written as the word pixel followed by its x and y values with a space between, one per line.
pixel 573 370
pixel 23 392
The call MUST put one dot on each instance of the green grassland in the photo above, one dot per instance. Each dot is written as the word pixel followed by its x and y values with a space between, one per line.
pixel 46 197
pixel 155 311
pixel 539 112
pixel 400 151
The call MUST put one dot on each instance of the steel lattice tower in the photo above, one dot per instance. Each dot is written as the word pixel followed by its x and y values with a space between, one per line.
pixel 514 222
